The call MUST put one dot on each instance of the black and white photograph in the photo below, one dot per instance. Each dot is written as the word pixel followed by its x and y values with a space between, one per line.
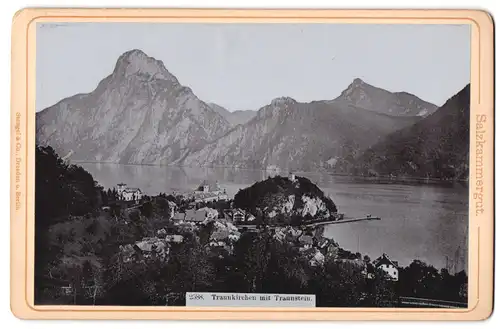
pixel 321 164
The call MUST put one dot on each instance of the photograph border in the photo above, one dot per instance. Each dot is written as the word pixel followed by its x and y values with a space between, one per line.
pixel 481 189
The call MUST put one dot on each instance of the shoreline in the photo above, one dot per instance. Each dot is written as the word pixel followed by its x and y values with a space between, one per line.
pixel 375 179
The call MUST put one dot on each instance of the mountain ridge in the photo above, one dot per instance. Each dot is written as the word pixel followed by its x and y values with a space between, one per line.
pixel 298 136
pixel 373 98
pixel 142 114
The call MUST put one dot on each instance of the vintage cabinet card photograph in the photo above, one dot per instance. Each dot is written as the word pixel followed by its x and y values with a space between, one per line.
pixel 252 164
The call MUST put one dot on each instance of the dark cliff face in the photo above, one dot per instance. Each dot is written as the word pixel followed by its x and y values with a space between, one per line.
pixel 435 147
pixel 138 114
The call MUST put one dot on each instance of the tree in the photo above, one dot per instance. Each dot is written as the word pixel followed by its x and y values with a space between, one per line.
pixel 146 209
pixel 286 269
pixel 61 191
pixel 161 206
pixel 419 280
pixel 252 254
pixel 381 290
pixel 80 243
pixel 338 284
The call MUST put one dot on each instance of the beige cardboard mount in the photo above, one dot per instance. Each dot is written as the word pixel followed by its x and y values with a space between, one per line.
pixel 481 230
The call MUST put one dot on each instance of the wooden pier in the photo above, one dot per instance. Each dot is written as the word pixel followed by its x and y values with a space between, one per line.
pixel 253 227
pixel 342 221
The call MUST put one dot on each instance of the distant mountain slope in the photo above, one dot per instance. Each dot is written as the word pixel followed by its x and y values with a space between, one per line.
pixel 138 114
pixel 436 147
pixel 364 95
pixel 236 117
pixel 299 136
pixel 219 109
pixel 240 117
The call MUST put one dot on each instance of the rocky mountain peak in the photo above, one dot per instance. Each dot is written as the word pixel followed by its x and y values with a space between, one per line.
pixel 357 82
pixel 277 106
pixel 280 101
pixel 283 100
pixel 136 62
pixel 363 95
pixel 354 88
pixel 138 114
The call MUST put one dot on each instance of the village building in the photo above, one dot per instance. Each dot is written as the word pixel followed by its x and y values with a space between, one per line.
pixel 323 243
pixel 183 226
pixel 221 240
pixel 132 194
pixel 279 235
pixel 390 267
pixel 152 247
pixel 332 251
pixel 317 259
pixel 224 235
pixel 127 253
pixel 197 215
pixel 219 248
pixel 305 242
pixel 193 216
pixel 128 193
pixel 239 216
pixel 174 238
pixel 179 216
pixel 287 234
pixel 172 207
pixel 218 243
pixel 210 213
pixel 209 186
pixel 147 248
pixel 120 188
pixel 209 191
pixel 162 233
pixel 220 235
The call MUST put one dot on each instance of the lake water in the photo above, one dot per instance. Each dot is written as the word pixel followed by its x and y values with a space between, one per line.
pixel 419 221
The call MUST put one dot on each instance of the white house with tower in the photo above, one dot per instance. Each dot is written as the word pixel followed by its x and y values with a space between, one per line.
pixel 209 191
pixel 126 193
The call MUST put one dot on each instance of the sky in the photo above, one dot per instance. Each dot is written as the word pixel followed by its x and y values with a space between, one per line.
pixel 245 66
